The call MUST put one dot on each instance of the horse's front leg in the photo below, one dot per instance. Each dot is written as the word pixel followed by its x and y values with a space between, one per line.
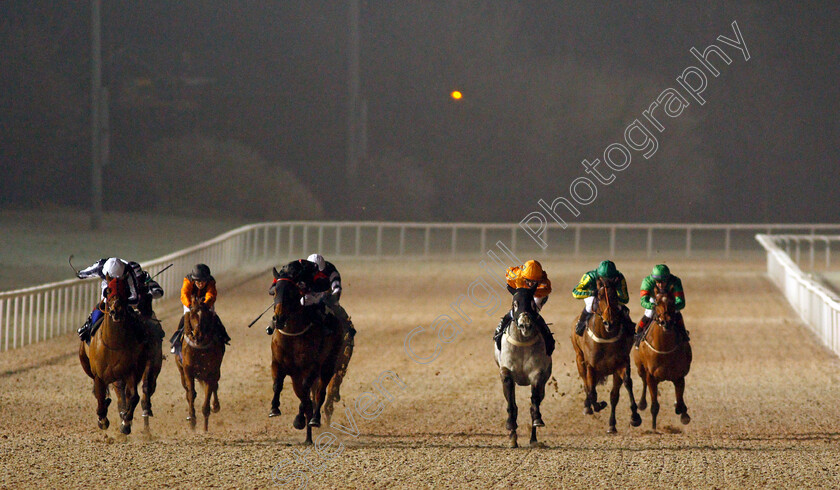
pixel 653 387
pixel 591 386
pixel 635 418
pixel 209 388
pixel 537 396
pixel 615 392
pixel 189 389
pixel 643 376
pixel 303 390
pixel 509 389
pixel 679 406
pixel 320 389
pixel 278 376
pixel 100 391
pixel 132 398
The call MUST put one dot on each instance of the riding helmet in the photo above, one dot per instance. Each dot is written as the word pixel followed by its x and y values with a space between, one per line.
pixel 607 269
pixel 201 273
pixel 660 272
pixel 532 271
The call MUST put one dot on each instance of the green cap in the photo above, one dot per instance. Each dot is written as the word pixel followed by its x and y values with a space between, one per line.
pixel 607 269
pixel 660 272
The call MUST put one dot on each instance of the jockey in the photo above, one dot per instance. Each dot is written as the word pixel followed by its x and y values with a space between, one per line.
pixel 200 284
pixel 314 286
pixel 142 289
pixel 526 276
pixel 662 278
pixel 587 291
pixel 328 275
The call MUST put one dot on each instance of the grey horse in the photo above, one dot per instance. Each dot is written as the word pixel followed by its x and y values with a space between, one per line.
pixel 522 360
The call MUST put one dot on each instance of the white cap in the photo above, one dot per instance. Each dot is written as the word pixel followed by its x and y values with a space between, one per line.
pixel 318 259
pixel 114 267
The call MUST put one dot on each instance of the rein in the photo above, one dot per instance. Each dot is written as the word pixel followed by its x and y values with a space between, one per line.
pixel 602 340
pixel 519 343
pixel 659 351
pixel 297 333
pixel 194 345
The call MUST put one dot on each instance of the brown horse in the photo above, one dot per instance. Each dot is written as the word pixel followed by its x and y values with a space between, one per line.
pixel 300 349
pixel 663 356
pixel 603 350
pixel 116 354
pixel 200 359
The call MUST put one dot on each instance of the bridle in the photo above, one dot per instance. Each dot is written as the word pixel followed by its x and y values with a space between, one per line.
pixel 302 292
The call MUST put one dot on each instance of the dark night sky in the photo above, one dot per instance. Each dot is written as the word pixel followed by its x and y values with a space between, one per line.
pixel 546 85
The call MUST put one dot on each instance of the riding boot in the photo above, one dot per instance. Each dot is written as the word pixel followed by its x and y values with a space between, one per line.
pixel 176 337
pixel 681 331
pixel 581 324
pixel 500 330
pixel 221 332
pixel 84 332
pixel 640 330
pixel 628 322
pixel 272 326
pixel 548 337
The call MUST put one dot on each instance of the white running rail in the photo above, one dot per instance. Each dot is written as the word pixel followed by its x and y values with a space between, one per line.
pixel 818 306
pixel 38 313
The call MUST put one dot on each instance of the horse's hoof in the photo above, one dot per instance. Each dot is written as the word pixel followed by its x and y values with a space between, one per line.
pixel 314 423
pixel 275 412
pixel 635 420
pixel 513 443
pixel 103 424
pixel 148 413
pixel 538 423
pixel 216 407
pixel 685 419
pixel 587 411
pixel 612 430
pixel 600 406
pixel 125 429
pixel 642 405
pixel 299 422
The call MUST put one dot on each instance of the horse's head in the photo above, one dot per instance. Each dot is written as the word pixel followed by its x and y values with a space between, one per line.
pixel 199 321
pixel 288 291
pixel 608 306
pixel 116 299
pixel 665 311
pixel 524 313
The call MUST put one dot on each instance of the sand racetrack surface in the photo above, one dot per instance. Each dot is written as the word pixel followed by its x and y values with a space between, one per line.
pixel 763 394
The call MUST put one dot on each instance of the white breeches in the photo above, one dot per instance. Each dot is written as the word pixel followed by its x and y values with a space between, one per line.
pixel 588 302
pixel 648 313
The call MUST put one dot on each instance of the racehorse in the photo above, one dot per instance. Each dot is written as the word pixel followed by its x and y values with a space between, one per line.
pixel 663 356
pixel 604 350
pixel 200 358
pixel 522 361
pixel 341 363
pixel 302 350
pixel 116 354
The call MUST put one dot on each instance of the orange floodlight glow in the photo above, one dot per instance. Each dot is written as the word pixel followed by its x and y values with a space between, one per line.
pixel 456 95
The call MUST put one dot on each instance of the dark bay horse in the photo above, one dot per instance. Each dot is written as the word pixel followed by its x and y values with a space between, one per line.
pixel 201 359
pixel 603 350
pixel 663 356
pixel 301 349
pixel 522 361
pixel 116 354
